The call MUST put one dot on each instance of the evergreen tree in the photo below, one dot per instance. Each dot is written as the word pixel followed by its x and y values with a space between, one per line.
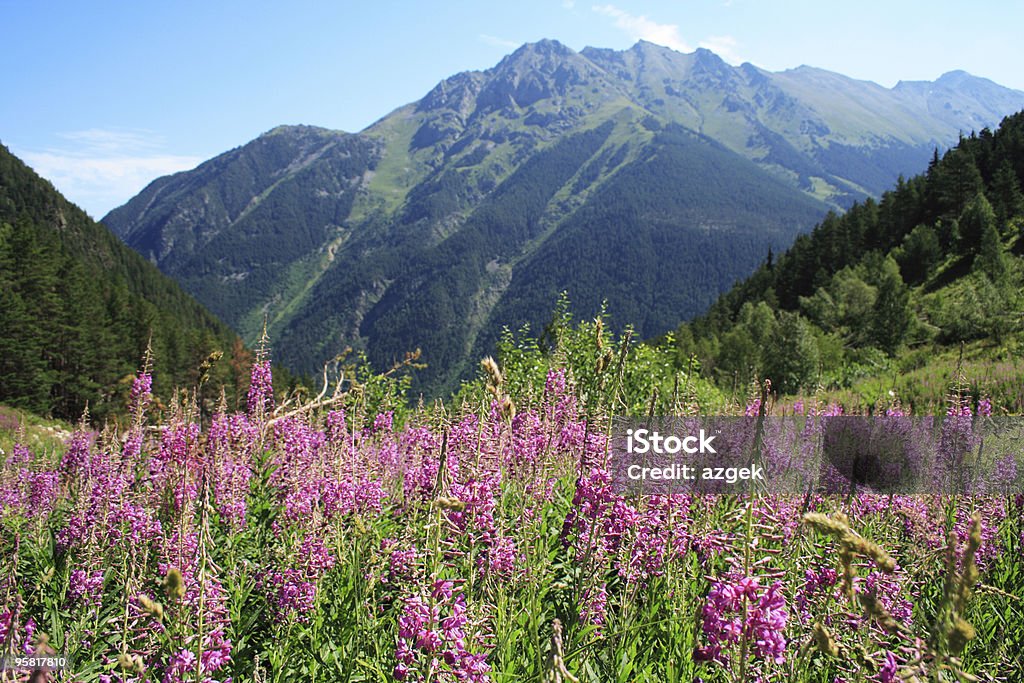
pixel 955 182
pixel 977 217
pixel 1007 198
pixel 919 253
pixel 892 314
pixel 77 307
pixel 790 359
pixel 991 258
pixel 948 231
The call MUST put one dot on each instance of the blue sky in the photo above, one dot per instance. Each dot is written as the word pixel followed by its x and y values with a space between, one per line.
pixel 101 97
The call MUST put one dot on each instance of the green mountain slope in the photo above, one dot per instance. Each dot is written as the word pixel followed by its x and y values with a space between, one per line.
pixel 474 206
pixel 644 242
pixel 79 307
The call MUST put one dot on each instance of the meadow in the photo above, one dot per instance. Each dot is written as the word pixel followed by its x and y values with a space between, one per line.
pixel 351 537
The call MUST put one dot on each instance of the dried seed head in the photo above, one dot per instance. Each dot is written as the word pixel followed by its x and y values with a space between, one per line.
pixel 556 669
pixel 846 557
pixel 43 646
pixel 507 408
pixel 862 656
pixel 961 633
pixel 151 607
pixel 969 574
pixel 824 641
pixel 124 662
pixel 877 611
pixel 968 579
pixel 599 332
pixel 174 584
pixel 973 542
pixel 490 366
pixel 834 526
pixel 866 548
pixel 974 535
pixel 446 503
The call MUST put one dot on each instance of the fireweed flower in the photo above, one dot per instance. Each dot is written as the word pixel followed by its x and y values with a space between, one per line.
pixel 819 585
pixel 85 587
pixel 401 562
pixel 260 399
pixel 559 401
pixel 888 672
pixel 383 421
pixel 183 604
pixel 888 590
pixel 474 524
pixel 724 625
pixel 432 638
pixel 594 606
pixel 292 590
pixel 74 464
pixel 985 406
pixel 141 394
pixel 993 511
pixel 231 440
pixel 337 429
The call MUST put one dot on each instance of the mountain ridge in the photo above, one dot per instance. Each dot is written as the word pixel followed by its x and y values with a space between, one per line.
pixel 322 231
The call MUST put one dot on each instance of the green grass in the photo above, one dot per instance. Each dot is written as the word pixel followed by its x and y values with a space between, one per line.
pixel 42 436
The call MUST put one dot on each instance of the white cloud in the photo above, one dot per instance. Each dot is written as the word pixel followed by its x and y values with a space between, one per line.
pixel 99 139
pixel 724 47
pixel 642 28
pixel 101 169
pixel 498 42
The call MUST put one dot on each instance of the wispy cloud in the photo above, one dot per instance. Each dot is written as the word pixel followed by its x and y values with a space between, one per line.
pixel 497 42
pixel 100 169
pixel 642 28
pixel 724 47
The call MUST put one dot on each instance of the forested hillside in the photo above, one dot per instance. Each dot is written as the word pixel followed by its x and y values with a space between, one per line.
pixel 79 308
pixel 933 263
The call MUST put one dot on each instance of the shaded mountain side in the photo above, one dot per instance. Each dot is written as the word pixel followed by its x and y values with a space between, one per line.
pixel 210 237
pixel 682 205
pixel 433 294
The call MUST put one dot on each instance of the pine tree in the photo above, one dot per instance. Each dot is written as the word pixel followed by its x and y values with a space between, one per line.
pixel 955 182
pixel 790 359
pixel 1007 198
pixel 977 217
pixel 892 314
pixel 919 253
pixel 991 259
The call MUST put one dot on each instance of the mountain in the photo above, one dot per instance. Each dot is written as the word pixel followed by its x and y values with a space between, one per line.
pixel 79 308
pixel 646 177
